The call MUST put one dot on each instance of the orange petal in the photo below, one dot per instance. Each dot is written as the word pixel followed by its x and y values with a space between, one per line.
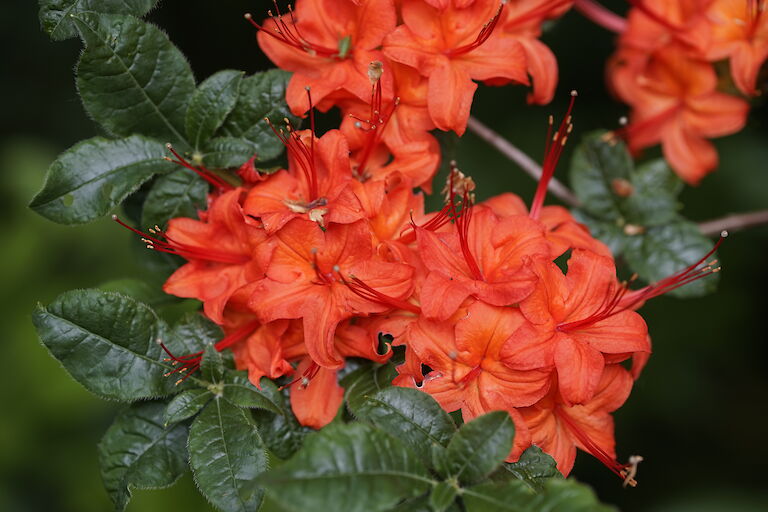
pixel 316 404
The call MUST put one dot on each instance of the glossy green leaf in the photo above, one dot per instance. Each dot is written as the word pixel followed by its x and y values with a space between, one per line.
pixel 138 452
pixel 142 291
pixel 186 404
pixel 596 162
pixel 178 194
pixel 534 468
pixel 261 96
pixel 239 390
pixel 191 334
pixel 664 250
pixel 365 382
pixel 654 200
pixel 352 467
pixel 107 342
pixel 212 102
pixel 212 365
pixel 56 15
pixel 557 495
pixel 226 152
pixel 282 433
pixel 480 446
pixel 412 416
pixel 226 455
pixel 95 175
pixel 443 495
pixel 131 78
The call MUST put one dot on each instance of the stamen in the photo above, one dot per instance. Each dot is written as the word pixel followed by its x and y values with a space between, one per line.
pixel 191 362
pixel 364 291
pixel 204 173
pixel 597 452
pixel 553 149
pixel 290 34
pixel 154 241
pixel 482 37
pixel 305 378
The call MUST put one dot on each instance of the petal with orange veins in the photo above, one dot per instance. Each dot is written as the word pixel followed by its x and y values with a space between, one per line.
pixel 322 312
pixel 405 47
pixel 619 333
pixel 261 353
pixel 546 304
pixel 322 82
pixel 504 388
pixel 579 367
pixel 542 68
pixel 432 341
pixel 529 348
pixel 507 204
pixel 548 434
pixel 450 96
pixel 690 155
pixel 611 393
pixel 716 114
pixel 374 19
pixel 591 281
pixel 441 295
pixel 501 56
pixel 211 284
pixel 266 200
pixel 316 404
pixel 273 300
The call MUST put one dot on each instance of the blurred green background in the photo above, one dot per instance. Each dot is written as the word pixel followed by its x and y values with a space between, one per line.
pixel 698 414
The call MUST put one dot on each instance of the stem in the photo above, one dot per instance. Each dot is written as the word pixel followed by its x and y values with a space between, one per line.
pixel 521 159
pixel 734 222
pixel 601 16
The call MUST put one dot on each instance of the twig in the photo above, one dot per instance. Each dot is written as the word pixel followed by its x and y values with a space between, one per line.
pixel 601 16
pixel 734 222
pixel 524 161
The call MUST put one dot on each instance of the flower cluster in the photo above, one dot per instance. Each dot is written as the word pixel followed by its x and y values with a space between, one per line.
pixel 665 70
pixel 312 264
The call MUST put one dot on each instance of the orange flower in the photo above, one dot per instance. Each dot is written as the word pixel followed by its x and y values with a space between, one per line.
pixel 452 47
pixel 575 323
pixel 740 33
pixel 559 429
pixel 674 102
pixel 222 250
pixel 308 278
pixel 327 44
pixel 316 185
pixel 467 373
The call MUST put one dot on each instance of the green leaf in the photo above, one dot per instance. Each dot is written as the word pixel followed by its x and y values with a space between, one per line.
pixel 212 102
pixel 191 334
pixel 185 405
pixel 480 446
pixel 226 455
pixel 138 452
pixel 654 200
pixel 533 468
pixel 178 194
pixel 56 15
pixel 352 467
pixel 282 433
pixel 107 342
pixel 226 152
pixel 410 415
pixel 594 165
pixel 442 496
pixel 261 95
pixel 95 175
pixel 212 365
pixel 664 250
pixel 239 390
pixel 139 290
pixel 514 496
pixel 365 382
pixel 131 78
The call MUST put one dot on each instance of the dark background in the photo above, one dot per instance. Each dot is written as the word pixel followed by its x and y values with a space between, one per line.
pixel 698 414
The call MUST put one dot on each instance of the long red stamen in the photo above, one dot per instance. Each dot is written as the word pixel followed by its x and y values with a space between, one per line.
pixel 201 171
pixel 290 34
pixel 377 120
pixel 622 299
pixel 303 156
pixel 590 446
pixel 462 225
pixel 482 36
pixel 305 378
pixel 154 241
pixel 539 9
pixel 323 278
pixel 553 149
pixel 364 291
pixel 190 363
